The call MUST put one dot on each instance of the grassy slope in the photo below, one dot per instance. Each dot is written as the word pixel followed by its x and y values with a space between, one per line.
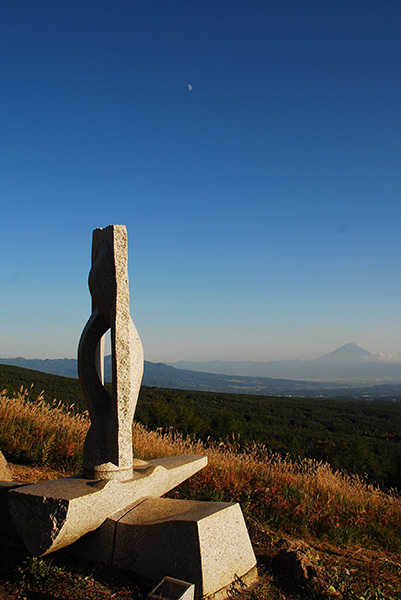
pixel 355 529
pixel 360 436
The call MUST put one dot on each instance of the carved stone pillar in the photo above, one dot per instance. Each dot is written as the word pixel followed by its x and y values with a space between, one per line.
pixel 108 444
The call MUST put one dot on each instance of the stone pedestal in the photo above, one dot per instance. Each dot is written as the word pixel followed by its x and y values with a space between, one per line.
pixel 205 543
pixel 53 514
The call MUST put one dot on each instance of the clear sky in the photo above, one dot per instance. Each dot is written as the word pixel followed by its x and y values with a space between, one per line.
pixel 263 206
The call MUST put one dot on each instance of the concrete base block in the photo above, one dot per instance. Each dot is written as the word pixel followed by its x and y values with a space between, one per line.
pixel 205 543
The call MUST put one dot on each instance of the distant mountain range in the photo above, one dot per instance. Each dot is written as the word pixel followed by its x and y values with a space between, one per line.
pixel 348 364
pixel 347 371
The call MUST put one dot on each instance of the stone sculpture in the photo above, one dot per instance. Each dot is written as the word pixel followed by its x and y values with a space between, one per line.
pixel 68 508
pixel 114 513
pixel 108 445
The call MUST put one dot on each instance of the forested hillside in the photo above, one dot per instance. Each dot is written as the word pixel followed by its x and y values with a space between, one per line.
pixel 360 436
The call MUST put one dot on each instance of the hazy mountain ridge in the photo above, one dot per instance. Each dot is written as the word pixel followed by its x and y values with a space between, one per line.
pixel 341 381
pixel 347 364
pixel 67 367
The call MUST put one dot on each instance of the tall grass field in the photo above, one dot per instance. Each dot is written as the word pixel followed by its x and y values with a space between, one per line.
pixel 304 499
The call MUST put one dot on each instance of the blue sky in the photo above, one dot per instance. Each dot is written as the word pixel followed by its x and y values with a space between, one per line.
pixel 263 206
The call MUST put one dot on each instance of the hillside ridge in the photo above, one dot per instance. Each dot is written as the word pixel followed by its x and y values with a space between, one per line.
pixel 368 378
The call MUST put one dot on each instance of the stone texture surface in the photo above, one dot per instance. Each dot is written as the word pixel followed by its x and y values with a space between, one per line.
pixel 5 470
pixel 205 543
pixel 9 537
pixel 108 445
pixel 54 514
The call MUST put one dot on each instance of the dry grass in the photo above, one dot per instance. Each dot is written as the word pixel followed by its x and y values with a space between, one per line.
pixel 299 498
pixel 33 432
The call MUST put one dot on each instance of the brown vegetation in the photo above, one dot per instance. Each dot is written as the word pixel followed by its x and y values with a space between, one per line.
pixel 338 514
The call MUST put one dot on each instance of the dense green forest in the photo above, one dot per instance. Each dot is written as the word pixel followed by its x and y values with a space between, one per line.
pixel 359 436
